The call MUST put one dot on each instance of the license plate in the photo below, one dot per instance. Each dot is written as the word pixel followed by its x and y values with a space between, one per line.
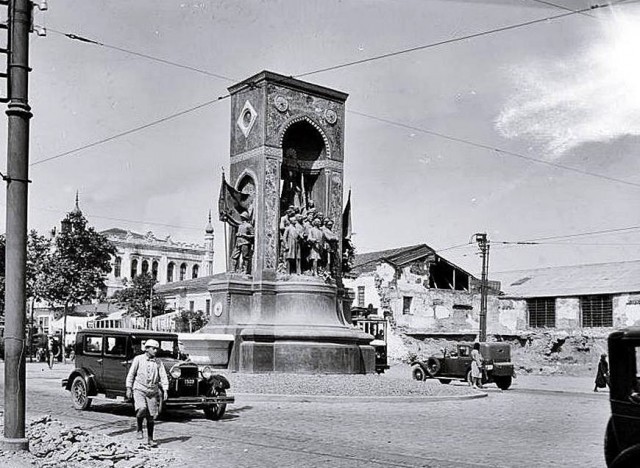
pixel 189 382
pixel 489 367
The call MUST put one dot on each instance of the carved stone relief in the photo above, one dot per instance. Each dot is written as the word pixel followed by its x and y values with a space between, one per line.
pixel 271 201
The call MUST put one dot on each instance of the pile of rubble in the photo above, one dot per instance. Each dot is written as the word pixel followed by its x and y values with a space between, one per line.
pixel 51 443
pixel 544 353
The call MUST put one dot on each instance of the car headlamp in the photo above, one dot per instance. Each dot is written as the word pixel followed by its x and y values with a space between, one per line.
pixel 207 372
pixel 175 372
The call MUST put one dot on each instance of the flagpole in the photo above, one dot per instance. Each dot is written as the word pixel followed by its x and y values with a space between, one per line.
pixel 226 248
pixel 226 225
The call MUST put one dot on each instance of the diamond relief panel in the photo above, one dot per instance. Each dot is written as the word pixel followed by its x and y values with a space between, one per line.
pixel 247 118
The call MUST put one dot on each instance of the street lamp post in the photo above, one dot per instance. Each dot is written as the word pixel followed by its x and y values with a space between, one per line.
pixel 17 178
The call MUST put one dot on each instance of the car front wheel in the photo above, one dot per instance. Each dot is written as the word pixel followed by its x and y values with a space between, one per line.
pixel 216 410
pixel 80 394
pixel 418 373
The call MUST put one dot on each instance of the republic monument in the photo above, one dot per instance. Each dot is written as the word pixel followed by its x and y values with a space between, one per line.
pixel 282 297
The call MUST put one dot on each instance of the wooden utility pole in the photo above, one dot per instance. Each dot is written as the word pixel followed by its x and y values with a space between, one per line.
pixel 17 178
pixel 483 243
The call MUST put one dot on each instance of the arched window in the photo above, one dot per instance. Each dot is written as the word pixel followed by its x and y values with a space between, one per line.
pixel 154 270
pixel 134 268
pixel 194 272
pixel 145 267
pixel 183 271
pixel 117 267
pixel 170 268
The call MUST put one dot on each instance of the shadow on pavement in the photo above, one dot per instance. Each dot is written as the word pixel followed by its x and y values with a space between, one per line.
pixel 167 440
pixel 174 415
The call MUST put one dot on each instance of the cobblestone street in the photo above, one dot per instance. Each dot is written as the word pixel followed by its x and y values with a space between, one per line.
pixel 532 425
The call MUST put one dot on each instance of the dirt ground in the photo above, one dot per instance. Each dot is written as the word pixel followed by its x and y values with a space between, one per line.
pixel 542 353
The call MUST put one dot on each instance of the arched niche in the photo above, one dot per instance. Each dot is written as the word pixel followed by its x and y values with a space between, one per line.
pixel 304 148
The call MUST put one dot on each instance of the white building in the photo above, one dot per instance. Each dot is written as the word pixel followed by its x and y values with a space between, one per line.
pixel 167 260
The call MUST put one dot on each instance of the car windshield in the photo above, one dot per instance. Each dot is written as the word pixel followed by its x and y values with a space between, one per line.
pixel 168 346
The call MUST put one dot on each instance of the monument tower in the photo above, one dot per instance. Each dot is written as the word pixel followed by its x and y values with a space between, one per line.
pixel 282 295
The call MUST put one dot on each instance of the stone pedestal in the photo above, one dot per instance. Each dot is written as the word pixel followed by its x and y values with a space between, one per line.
pixel 290 324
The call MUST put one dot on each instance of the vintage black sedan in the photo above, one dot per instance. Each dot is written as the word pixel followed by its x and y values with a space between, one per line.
pixel 103 358
pixel 622 437
pixel 455 364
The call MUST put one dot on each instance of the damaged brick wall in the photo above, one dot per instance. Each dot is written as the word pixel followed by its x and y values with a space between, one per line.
pixel 430 309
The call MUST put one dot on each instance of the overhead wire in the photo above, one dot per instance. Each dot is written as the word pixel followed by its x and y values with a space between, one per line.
pixel 77 37
pixel 130 131
pixel 562 7
pixel 459 39
pixel 494 149
pixel 404 51
pixel 132 221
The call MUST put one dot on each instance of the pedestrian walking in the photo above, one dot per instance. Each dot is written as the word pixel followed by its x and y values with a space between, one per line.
pixel 602 377
pixel 147 382
pixel 53 351
pixel 476 366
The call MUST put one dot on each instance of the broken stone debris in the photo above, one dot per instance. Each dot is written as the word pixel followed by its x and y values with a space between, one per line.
pixel 52 443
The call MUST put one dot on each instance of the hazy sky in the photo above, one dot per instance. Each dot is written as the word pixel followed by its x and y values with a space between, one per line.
pixel 565 91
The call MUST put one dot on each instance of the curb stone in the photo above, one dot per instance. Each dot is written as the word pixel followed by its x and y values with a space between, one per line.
pixel 275 397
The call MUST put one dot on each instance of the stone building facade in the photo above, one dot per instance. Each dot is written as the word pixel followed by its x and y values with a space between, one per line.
pixel 420 291
pixel 593 298
pixel 167 260
pixel 192 295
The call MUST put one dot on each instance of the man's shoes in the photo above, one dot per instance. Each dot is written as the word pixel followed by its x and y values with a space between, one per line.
pixel 139 435
pixel 152 443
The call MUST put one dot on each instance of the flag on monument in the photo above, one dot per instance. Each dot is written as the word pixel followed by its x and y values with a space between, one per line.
pixel 346 218
pixel 231 203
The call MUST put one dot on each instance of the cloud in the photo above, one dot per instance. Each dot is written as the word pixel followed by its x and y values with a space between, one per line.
pixel 593 96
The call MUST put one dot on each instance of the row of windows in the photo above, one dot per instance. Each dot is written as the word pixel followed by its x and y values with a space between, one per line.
pixel 117 269
pixel 597 311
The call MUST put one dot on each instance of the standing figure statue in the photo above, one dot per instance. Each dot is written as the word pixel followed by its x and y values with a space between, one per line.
pixel 315 238
pixel 291 245
pixel 243 250
pixel 330 245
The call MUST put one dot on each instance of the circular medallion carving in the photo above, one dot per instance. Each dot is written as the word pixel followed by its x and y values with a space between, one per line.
pixel 281 103
pixel 330 116
pixel 217 309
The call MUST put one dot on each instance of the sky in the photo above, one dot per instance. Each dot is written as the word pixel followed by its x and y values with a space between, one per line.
pixel 529 133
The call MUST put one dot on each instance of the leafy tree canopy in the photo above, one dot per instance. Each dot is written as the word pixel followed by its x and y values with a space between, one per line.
pixel 135 297
pixel 188 321
pixel 38 256
pixel 77 269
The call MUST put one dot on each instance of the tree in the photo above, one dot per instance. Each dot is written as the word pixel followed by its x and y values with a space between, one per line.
pixel 38 252
pixel 188 321
pixel 38 256
pixel 76 270
pixel 135 297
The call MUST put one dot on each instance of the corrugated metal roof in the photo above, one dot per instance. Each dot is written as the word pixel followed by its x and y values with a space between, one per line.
pixel 575 280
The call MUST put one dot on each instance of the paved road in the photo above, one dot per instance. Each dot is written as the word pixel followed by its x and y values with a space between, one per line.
pixel 523 427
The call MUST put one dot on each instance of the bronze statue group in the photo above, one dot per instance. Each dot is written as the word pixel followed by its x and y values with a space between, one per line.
pixel 307 242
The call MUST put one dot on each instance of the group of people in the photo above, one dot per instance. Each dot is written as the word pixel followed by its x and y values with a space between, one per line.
pixel 307 241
